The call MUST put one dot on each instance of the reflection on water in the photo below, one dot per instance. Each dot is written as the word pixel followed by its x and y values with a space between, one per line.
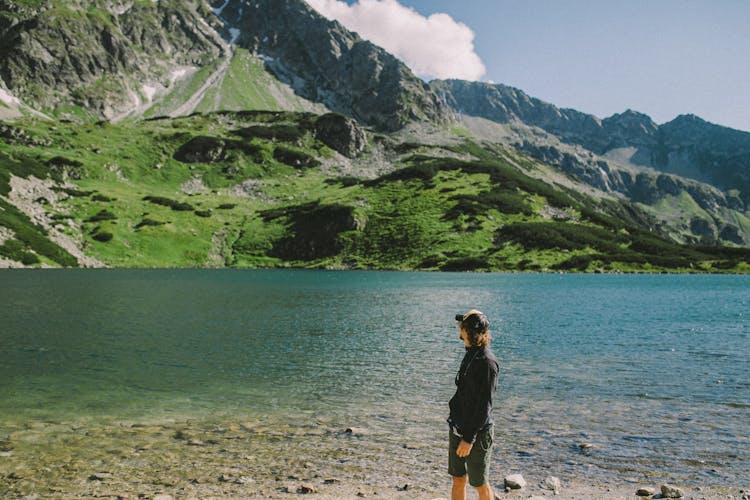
pixel 652 370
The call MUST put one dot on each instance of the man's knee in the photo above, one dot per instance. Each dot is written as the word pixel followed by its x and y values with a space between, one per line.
pixel 484 491
pixel 460 480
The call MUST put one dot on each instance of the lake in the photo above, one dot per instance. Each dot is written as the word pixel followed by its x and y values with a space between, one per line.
pixel 652 371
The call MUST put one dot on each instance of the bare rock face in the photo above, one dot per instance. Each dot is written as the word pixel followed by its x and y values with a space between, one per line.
pixel 687 146
pixel 97 55
pixel 324 62
pixel 341 133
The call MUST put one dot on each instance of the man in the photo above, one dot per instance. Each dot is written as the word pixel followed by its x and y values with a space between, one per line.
pixel 471 424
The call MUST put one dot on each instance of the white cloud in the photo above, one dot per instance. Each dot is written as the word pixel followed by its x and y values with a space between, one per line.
pixel 433 47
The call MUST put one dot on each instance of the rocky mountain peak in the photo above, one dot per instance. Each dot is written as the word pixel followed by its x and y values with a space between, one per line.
pixel 630 128
pixel 96 56
pixel 324 62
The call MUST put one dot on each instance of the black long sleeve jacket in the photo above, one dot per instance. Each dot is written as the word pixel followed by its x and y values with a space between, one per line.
pixel 476 381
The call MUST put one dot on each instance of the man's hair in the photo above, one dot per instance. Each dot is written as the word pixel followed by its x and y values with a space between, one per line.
pixel 477 328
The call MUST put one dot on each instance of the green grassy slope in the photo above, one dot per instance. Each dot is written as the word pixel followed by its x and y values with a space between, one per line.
pixel 245 85
pixel 250 189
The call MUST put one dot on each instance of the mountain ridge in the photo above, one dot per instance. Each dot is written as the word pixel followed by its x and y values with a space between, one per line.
pixel 258 81
pixel 686 145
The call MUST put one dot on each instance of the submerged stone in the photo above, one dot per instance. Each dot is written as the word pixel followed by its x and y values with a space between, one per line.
pixel 551 483
pixel 670 491
pixel 515 482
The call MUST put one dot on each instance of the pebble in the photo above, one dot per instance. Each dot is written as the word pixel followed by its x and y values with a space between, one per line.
pixel 355 431
pixel 163 497
pixel 670 491
pixel 515 482
pixel 306 489
pixel 248 426
pixel 586 446
pixel 100 476
pixel 646 492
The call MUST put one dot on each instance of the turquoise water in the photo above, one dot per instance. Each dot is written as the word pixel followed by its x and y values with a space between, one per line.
pixel 652 370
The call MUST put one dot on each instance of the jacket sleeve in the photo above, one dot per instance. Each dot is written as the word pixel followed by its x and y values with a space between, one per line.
pixel 477 404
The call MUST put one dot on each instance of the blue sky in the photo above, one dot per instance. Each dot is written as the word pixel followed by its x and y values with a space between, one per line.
pixel 660 57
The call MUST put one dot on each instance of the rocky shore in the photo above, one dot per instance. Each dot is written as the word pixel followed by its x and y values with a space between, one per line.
pixel 176 459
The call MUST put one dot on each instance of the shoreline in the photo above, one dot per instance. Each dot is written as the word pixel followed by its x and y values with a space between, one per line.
pixel 230 459
pixel 16 266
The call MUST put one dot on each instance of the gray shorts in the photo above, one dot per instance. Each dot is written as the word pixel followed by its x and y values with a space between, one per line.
pixel 477 464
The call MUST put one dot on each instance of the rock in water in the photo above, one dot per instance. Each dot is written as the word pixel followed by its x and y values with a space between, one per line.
pixel 669 491
pixel 515 482
pixel 551 483
pixel 100 476
pixel 306 489
pixel 646 492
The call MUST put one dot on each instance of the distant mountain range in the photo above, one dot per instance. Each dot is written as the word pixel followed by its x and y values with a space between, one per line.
pixel 687 146
pixel 125 61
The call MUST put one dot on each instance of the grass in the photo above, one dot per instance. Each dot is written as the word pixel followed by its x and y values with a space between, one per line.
pixel 432 214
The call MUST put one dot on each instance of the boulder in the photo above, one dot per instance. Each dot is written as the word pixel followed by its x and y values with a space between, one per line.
pixel 341 133
pixel 551 483
pixel 515 482
pixel 670 491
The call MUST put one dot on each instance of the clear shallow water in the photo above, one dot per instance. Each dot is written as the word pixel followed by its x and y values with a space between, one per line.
pixel 652 370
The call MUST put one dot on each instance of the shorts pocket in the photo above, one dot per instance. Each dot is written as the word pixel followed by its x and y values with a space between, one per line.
pixel 486 439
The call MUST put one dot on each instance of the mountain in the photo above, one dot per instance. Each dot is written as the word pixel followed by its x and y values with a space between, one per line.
pixel 257 133
pixel 687 146
pixel 100 59
pixel 686 157
pixel 114 59
pixel 326 63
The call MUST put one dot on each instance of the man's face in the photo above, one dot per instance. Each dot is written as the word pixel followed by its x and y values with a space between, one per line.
pixel 462 334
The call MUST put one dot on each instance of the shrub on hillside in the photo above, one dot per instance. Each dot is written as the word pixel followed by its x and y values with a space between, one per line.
pixel 284 132
pixel 294 157
pixel 507 202
pixel 314 230
pixel 466 264
pixel 103 237
pixel 16 250
pixel 166 202
pixel 33 236
pixel 101 216
pixel 146 222
pixel 560 235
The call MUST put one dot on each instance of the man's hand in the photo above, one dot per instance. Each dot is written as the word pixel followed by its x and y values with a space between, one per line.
pixel 464 449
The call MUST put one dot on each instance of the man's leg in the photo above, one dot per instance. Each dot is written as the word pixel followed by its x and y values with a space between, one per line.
pixel 485 492
pixel 458 492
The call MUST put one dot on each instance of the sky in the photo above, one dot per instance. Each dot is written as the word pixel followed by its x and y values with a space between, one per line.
pixel 663 58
